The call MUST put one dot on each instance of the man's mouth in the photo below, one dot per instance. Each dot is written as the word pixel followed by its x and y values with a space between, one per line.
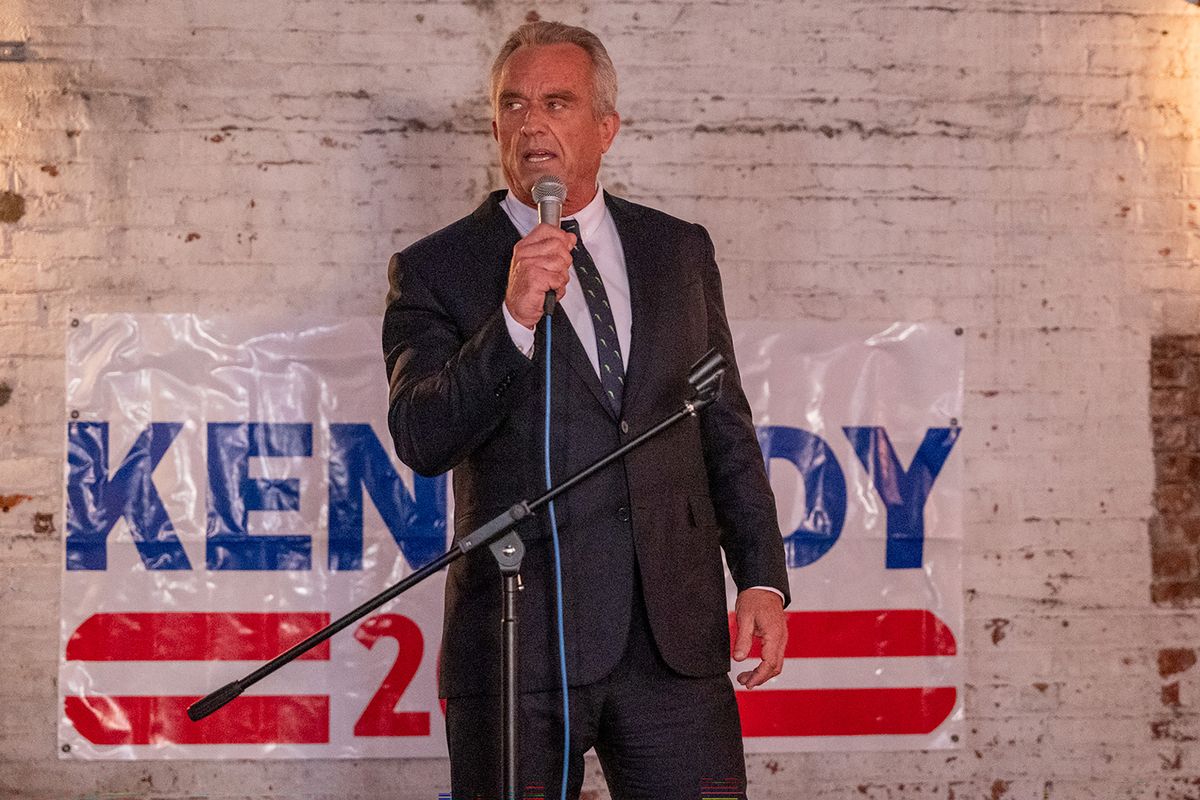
pixel 538 156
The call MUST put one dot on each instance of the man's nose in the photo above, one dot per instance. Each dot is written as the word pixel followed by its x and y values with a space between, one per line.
pixel 534 122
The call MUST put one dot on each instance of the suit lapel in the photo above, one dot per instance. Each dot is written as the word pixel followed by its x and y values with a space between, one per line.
pixel 641 265
pixel 492 240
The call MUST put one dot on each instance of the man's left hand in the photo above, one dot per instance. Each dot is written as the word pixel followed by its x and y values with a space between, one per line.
pixel 759 614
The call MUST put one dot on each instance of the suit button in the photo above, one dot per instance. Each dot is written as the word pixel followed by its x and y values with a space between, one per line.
pixel 624 426
pixel 623 514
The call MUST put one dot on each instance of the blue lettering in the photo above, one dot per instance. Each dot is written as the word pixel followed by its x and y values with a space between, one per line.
pixel 903 492
pixel 95 502
pixel 824 490
pixel 417 522
pixel 232 494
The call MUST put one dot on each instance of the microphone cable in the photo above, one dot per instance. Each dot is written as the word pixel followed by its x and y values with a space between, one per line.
pixel 558 587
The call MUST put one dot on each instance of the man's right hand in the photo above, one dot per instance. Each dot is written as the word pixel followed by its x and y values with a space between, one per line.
pixel 540 262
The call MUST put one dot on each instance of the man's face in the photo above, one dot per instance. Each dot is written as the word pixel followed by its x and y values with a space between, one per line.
pixel 545 122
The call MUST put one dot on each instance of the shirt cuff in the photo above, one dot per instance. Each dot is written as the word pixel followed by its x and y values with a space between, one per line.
pixel 521 336
pixel 771 589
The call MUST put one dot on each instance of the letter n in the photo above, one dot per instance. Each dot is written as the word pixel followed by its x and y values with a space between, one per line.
pixel 416 521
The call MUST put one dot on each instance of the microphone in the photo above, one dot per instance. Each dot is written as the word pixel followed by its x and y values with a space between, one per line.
pixel 549 192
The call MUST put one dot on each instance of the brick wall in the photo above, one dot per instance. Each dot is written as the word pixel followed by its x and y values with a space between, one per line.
pixel 1027 169
pixel 1175 526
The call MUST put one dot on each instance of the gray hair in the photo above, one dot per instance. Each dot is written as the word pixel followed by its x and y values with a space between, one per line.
pixel 604 74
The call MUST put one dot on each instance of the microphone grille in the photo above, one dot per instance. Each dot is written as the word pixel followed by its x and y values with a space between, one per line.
pixel 549 187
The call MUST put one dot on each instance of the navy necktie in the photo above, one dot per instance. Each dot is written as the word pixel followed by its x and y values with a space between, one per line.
pixel 608 348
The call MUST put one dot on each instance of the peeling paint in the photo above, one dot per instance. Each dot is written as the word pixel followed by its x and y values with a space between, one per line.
pixel 43 522
pixel 12 206
pixel 1175 660
pixel 997 627
pixel 999 789
pixel 10 501
pixel 5 393
pixel 1172 762
pixel 413 125
pixel 1165 730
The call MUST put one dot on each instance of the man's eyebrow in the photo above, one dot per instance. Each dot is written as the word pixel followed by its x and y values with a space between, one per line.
pixel 554 94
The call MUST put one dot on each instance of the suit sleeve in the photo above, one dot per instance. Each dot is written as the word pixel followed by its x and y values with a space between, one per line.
pixel 449 389
pixel 737 478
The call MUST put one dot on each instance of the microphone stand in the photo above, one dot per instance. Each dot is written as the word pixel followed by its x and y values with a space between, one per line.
pixel 506 546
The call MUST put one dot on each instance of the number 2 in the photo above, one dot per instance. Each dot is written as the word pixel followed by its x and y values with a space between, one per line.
pixel 380 717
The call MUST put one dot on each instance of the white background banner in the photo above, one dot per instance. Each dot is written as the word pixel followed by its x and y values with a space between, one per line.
pixel 231 488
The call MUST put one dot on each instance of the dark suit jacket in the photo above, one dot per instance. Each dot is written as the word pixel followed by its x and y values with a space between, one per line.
pixel 463 397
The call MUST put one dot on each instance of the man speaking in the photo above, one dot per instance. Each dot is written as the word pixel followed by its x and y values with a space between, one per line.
pixel 639 300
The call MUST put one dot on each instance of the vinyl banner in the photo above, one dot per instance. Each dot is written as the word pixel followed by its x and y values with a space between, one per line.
pixel 230 489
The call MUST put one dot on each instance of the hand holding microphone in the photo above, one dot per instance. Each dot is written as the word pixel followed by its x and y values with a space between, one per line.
pixel 538 272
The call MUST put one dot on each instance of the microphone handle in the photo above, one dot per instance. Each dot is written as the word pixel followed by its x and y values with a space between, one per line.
pixel 549 212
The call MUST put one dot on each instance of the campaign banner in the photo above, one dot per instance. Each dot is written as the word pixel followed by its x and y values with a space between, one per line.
pixel 231 488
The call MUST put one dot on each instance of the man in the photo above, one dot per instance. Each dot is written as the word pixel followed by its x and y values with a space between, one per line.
pixel 647 638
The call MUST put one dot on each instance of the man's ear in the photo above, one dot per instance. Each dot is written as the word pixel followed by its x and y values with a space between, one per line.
pixel 610 124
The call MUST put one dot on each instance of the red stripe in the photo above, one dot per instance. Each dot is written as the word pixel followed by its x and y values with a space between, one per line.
pixel 858 634
pixel 256 719
pixel 177 636
pixel 844 712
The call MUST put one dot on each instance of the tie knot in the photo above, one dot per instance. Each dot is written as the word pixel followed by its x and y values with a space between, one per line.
pixel 570 226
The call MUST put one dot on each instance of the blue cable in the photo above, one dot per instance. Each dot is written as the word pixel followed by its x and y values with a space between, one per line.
pixel 558 590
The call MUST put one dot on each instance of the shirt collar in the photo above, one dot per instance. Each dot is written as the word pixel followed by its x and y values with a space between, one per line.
pixel 524 218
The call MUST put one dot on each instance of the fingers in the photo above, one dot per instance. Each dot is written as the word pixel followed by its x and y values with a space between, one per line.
pixel 745 635
pixel 543 232
pixel 758 676
pixel 540 263
pixel 546 242
pixel 760 615
pixel 772 658
pixel 774 643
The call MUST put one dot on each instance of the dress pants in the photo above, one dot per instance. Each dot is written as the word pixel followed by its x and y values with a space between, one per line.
pixel 659 735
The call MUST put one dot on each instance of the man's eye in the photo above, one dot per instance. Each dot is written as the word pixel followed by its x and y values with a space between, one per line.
pixel 513 105
pixel 557 105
